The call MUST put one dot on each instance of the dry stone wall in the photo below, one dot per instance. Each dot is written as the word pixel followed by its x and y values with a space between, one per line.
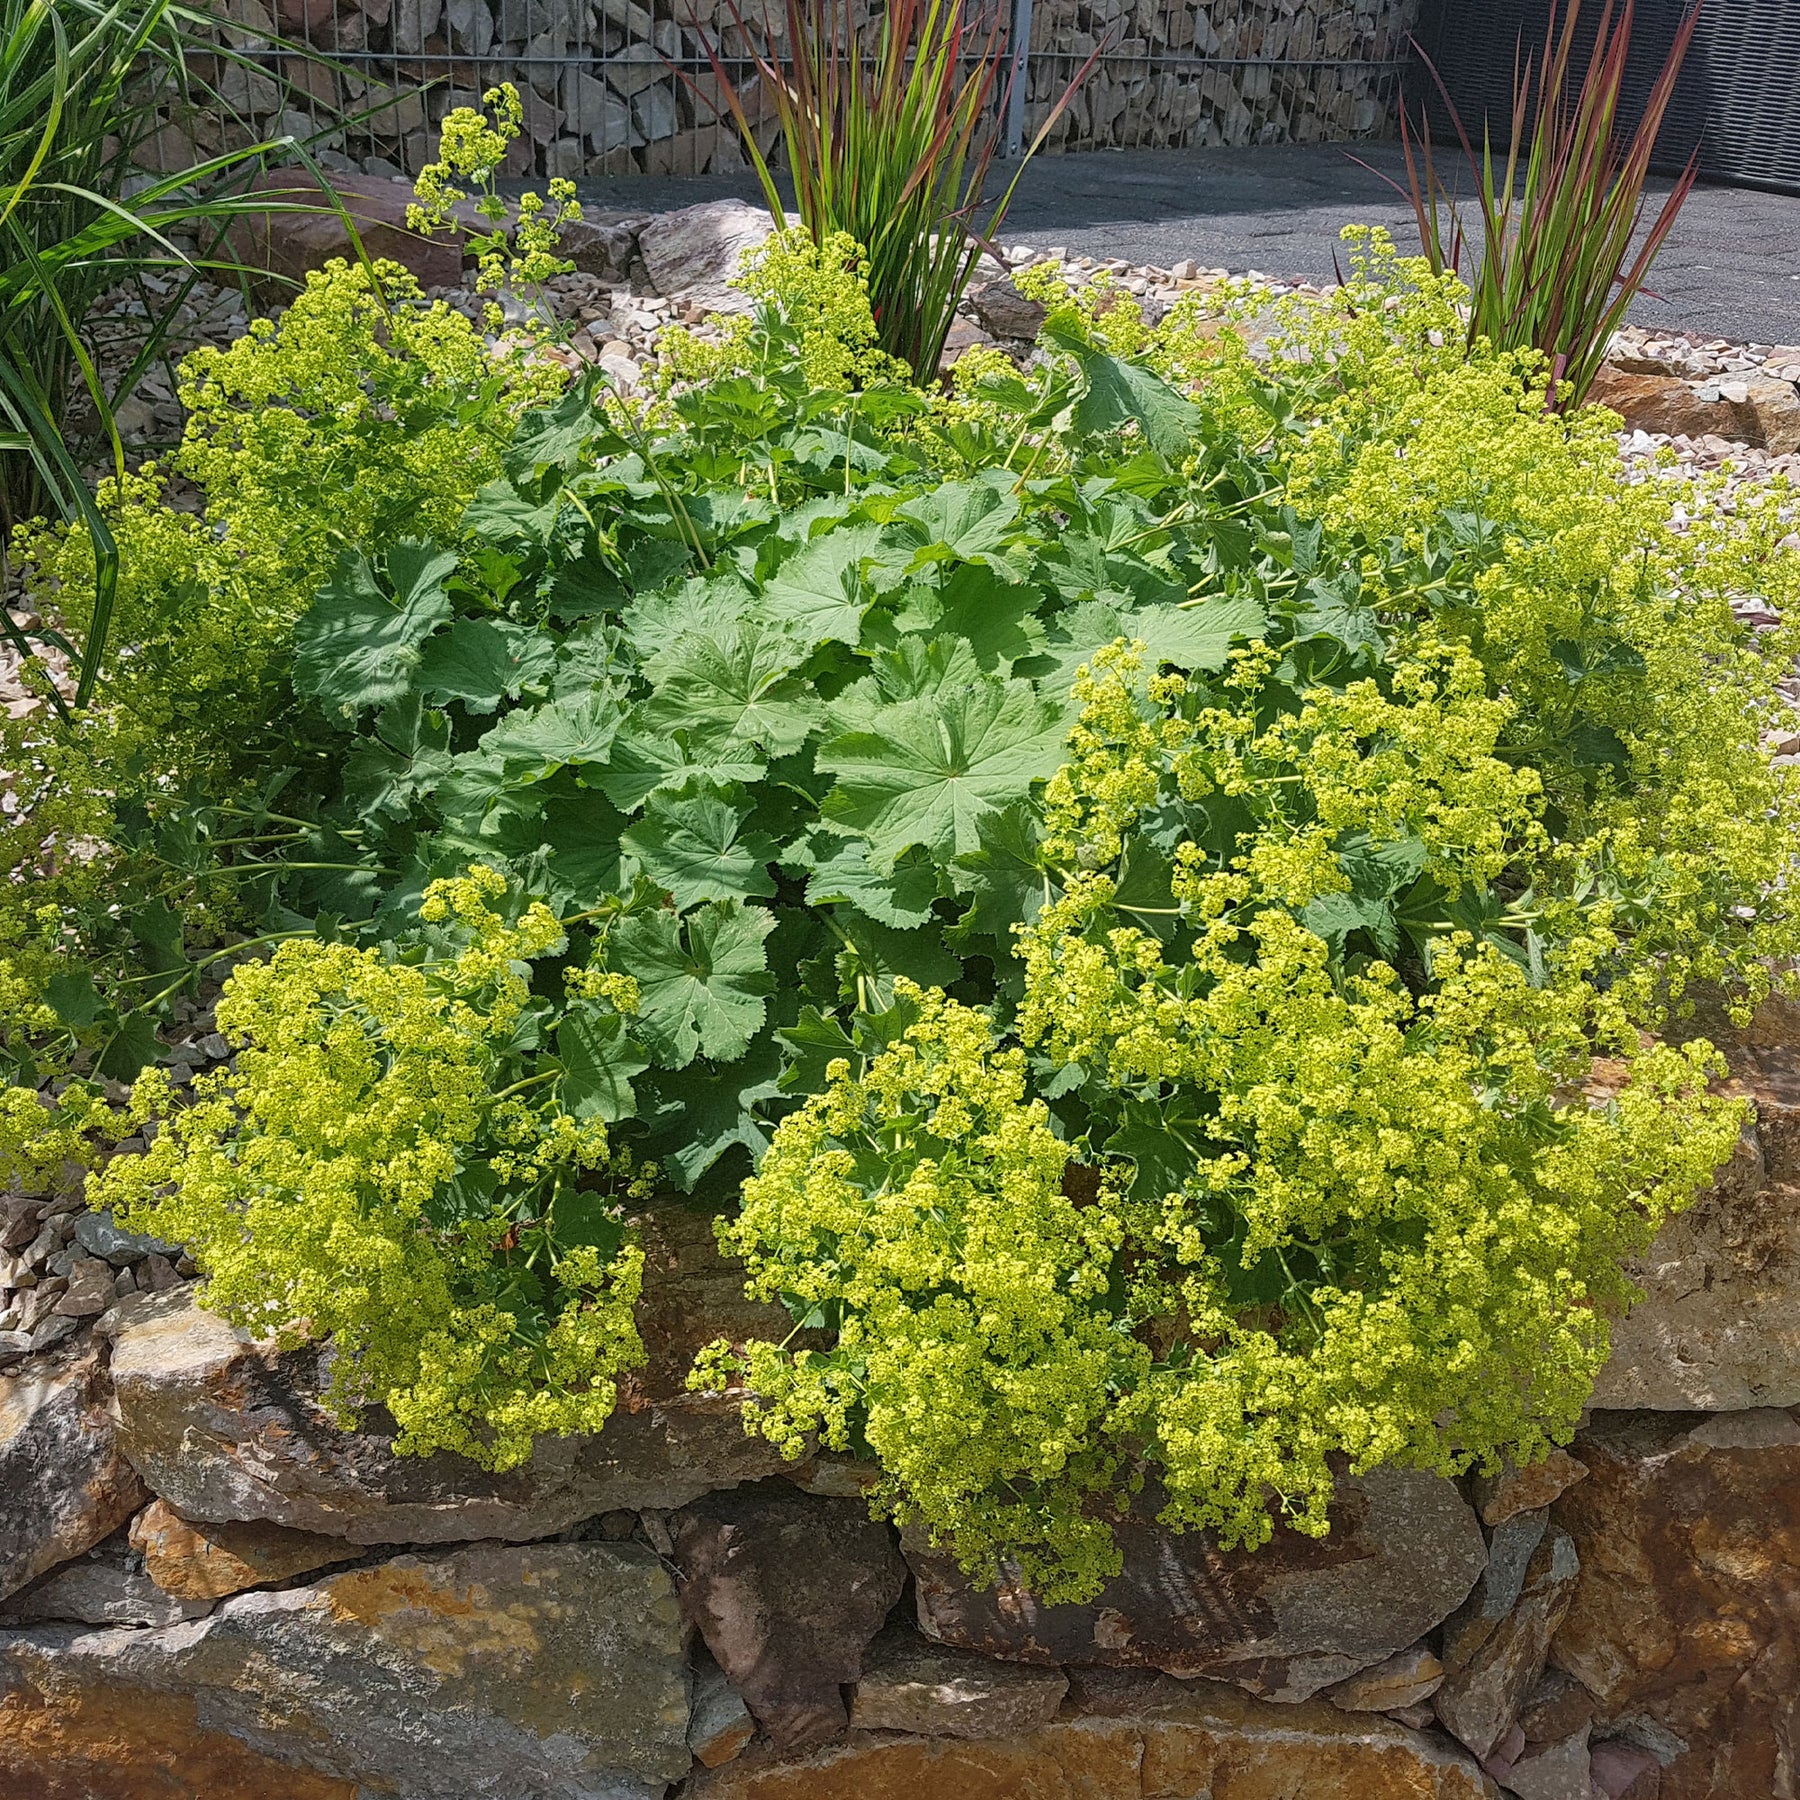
pixel 621 87
pixel 210 1590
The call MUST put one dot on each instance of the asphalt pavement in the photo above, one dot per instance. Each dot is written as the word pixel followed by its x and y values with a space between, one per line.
pixel 1731 266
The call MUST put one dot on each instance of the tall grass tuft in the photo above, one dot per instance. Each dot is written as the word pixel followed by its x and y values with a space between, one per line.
pixel 1558 221
pixel 84 86
pixel 890 132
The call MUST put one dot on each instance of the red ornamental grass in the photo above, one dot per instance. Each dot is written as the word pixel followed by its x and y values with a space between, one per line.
pixel 890 130
pixel 1558 222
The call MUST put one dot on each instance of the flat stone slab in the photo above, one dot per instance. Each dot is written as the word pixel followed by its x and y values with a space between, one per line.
pixel 1284 1621
pixel 508 1672
pixel 226 1429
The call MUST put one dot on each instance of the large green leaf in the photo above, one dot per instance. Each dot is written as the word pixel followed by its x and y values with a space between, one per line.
pixel 962 521
pixel 1198 638
pixel 355 647
pixel 930 769
pixel 902 897
pixel 599 1060
pixel 1120 393
pixel 976 607
pixel 1004 873
pixel 820 590
pixel 702 981
pixel 691 841
pixel 484 661
pixel 578 729
pixel 738 679
pixel 698 1113
pixel 643 761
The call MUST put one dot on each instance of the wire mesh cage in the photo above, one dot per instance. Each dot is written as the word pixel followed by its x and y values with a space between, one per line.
pixel 626 87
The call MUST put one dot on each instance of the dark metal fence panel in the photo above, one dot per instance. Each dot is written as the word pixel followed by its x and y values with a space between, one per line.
pixel 1737 101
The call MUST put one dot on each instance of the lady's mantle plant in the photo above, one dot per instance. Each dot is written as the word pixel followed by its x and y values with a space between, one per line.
pixel 1139 888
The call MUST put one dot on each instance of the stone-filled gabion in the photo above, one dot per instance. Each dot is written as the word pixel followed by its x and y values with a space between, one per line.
pixel 622 87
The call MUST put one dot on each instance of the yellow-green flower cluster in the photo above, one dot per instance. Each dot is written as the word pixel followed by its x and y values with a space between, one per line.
pixel 821 291
pixel 472 146
pixel 315 1184
pixel 1397 1229
pixel 920 1207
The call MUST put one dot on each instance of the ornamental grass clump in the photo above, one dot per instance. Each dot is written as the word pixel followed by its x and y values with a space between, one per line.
pixel 1561 248
pixel 1142 892
pixel 890 131
pixel 91 94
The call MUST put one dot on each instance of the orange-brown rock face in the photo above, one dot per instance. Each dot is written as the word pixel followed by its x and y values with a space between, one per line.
pixel 1154 1740
pixel 1687 1609
pixel 207 1562
pixel 106 1742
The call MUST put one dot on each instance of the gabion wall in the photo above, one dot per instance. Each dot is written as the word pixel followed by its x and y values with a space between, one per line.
pixel 605 94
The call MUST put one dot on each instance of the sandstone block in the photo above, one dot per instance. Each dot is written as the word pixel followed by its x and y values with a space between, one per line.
pixel 96 1590
pixel 227 1430
pixel 64 1480
pixel 301 231
pixel 1162 1740
pixel 209 1562
pixel 508 1671
pixel 1687 1610
pixel 1719 1326
pixel 719 1723
pixel 1004 311
pixel 1765 414
pixel 1284 1621
pixel 1400 1681
pixel 787 1590
pixel 911 1684
pixel 1513 1491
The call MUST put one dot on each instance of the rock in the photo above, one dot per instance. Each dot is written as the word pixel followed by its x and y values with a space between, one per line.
pixel 96 1233
pixel 300 232
pixel 1004 311
pixel 719 1723
pixel 1496 1643
pixel 509 1671
pixel 1558 1771
pixel 1402 1680
pixel 208 1562
pixel 602 243
pixel 1557 1707
pixel 1284 1621
pixel 963 336
pixel 697 249
pixel 911 1684
pixel 92 1592
pixel 1766 416
pixel 90 1290
pixel 1623 1771
pixel 1158 1740
pixel 225 1430
pixel 64 1481
pixel 13 1345
pixel 1719 1327
pixel 1687 1610
pixel 787 1590
pixel 1501 1497
pixel 89 1741
pixel 18 1220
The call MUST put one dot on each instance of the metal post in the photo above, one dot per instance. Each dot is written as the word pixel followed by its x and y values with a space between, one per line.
pixel 1012 142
